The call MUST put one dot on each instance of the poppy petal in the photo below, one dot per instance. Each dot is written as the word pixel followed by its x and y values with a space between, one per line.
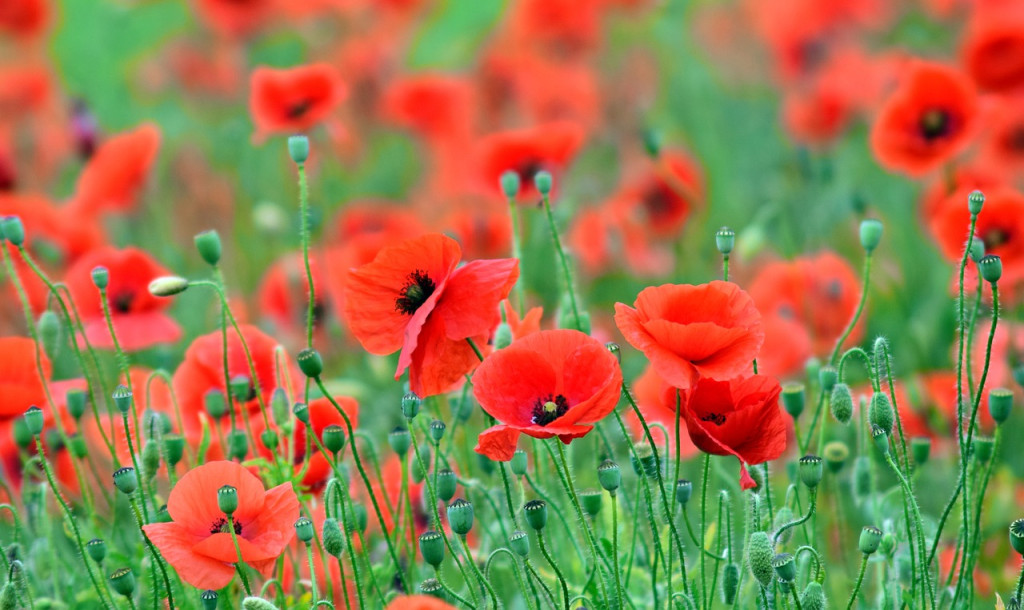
pixel 193 501
pixel 497 443
pixel 470 304
pixel 176 546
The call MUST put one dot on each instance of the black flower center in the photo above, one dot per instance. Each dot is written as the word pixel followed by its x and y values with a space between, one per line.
pixel 1015 139
pixel 716 418
pixel 122 302
pixel 935 123
pixel 528 169
pixel 659 203
pixel 299 108
pixel 417 289
pixel 547 410
pixel 996 237
pixel 220 526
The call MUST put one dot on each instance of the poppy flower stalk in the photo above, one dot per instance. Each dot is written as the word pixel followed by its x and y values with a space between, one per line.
pixel 302 142
pixel 542 180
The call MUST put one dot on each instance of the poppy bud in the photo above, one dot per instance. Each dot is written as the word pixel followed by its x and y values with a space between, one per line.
pixel 208 599
pixel 411 405
pixel 310 363
pixel 437 430
pixel 432 547
pixel 257 603
pixel 13 230
pixel 609 476
pixel 977 251
pixel 881 413
pixel 810 470
pixel 783 516
pixel 975 201
pixel 730 583
pixel 333 541
pixel 615 350
pixel 460 516
pixel 536 512
pixel 150 459
pixel 519 542
pixel 77 447
pixel 543 181
pixel 881 438
pixel 785 567
pixel 238 445
pixel 643 460
pixel 122 398
pixel 828 376
pixel 509 183
pixel 168 286
pixel 269 439
pixel 97 550
pixel 813 597
pixel 304 530
pixel 983 447
pixel 279 406
pixel 419 471
pixel 653 142
pixel 357 519
pixel 8 596
pixel 100 277
pixel 870 538
pixel 921 449
pixel 399 440
pixel 519 463
pixel 793 397
pixel 432 587
pixel 1000 403
pixel 684 490
pixel 870 234
pixel 34 420
pixel 227 499
pixel 174 448
pixel 861 476
pixel 49 332
pixel 333 438
pixel 725 240
pixel 759 556
pixel 446 482
pixel 298 149
pixel 836 454
pixel 991 267
pixel 1017 536
pixel 841 403
pixel 591 501
pixel 214 403
pixel 502 336
pixel 75 400
pixel 208 245
pixel 241 388
pixel 888 543
pixel 123 582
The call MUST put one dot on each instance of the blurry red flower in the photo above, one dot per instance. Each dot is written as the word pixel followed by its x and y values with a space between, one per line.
pixel 993 47
pixel 283 297
pixel 657 402
pixel 787 345
pixel 24 18
pixel 712 330
pixel 559 27
pixel 557 90
pixel 528 324
pixel 197 542
pixel 435 106
pixel 1000 226
pixel 321 414
pixel 661 199
pixel 816 114
pixel 418 602
pixel 24 90
pixel 549 147
pixel 117 171
pixel 413 298
pixel 20 384
pixel 550 383
pixel 294 99
pixel 953 189
pixel 926 121
pixel 235 17
pixel 1003 145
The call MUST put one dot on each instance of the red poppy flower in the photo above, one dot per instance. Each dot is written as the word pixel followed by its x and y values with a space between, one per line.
pixel 418 602
pixel 547 147
pixel 563 27
pixel 196 542
pixel 657 402
pixel 660 200
pixel 321 414
pixel 235 17
pixel 482 226
pixel 294 99
pixel 557 90
pixel 20 384
pixel 551 383
pixel 413 298
pixel 787 346
pixel 140 319
pixel 953 190
pixel 435 106
pixel 993 48
pixel 1003 146
pixel 926 121
pixel 817 114
pixel 739 417
pixel 24 18
pixel 283 297
pixel 117 171
pixel 1007 352
pixel 712 330
pixel 24 90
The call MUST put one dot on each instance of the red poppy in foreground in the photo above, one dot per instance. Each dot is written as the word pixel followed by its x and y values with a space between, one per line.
pixel 550 383
pixel 418 602
pixel 413 298
pixel 712 330
pixel 739 417
pixel 20 384
pixel 548 147
pixel 197 542
pixel 294 99
pixel 117 171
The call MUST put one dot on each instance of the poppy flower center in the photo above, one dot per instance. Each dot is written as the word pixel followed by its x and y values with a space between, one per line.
pixel 716 418
pixel 417 289
pixel 528 169
pixel 1014 140
pixel 122 302
pixel 659 203
pixel 934 124
pixel 547 410
pixel 220 526
pixel 996 237
pixel 299 108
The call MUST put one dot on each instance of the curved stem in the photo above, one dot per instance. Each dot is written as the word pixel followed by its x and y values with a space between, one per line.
pixel 554 566
pixel 858 312
pixel 860 580
pixel 796 522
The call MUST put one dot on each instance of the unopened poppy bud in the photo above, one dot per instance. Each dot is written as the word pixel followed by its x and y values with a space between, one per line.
pixel 653 142
pixel 22 436
pixel 49 333
pixel 174 448
pixel 209 247
pixel 730 583
pixel 8 596
pixel 975 201
pixel 725 240
pixel 785 567
pixel 783 516
pixel 812 368
pixel 446 484
pixel 123 582
pixel 813 597
pixel 100 277
pixel 841 403
pixel 411 405
pixel 543 181
pixel 836 454
pixel 861 476
pixel 122 398
pixel 519 542
pixel 357 519
pixel 269 439
pixel 333 438
pixel 460 516
pixel 828 376
pixel 1000 403
pixel 609 475
pixel 793 398
pixel 991 267
pixel 279 406
pixel 301 411
pixel 227 499
pixel 591 501
pixel 921 449
pixel 811 470
pixel 168 286
pixel 502 336
pixel 13 230
pixel 77 446
pixel 881 413
pixel 208 599
pixel 432 587
pixel 304 530
pixel 684 491
pixel 238 445
pixel 509 182
pixel 34 420
pixel 870 234
pixel 399 439
pixel 1017 536
pixel 76 400
pixel 870 539
pixel 983 447
pixel 436 429
pixel 888 544
pixel 432 547
pixel 150 459
pixel 298 148
pixel 760 555
pixel 97 550
pixel 241 388
pixel 977 251
pixel 536 512
pixel 881 438
pixel 643 460
pixel 332 538
pixel 257 603
pixel 519 463
pixel 213 400
pixel 310 363
pixel 126 480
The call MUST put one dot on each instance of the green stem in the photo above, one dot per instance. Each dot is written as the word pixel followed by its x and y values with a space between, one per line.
pixel 153 552
pixel 240 566
pixel 619 591
pixel 564 262
pixel 513 212
pixel 304 238
pixel 858 312
pixel 312 573
pixel 801 520
pixel 860 580
pixel 476 570
pixel 704 527
pixel 554 566
pixel 918 521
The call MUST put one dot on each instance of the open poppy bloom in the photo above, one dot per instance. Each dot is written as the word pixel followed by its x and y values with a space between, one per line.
pixel 740 417
pixel 413 297
pixel 20 384
pixel 661 199
pixel 197 542
pixel 926 121
pixel 139 318
pixel 993 50
pixel 548 147
pixel 117 171
pixel 712 330
pixel 294 99
pixel 24 18
pixel 321 414
pixel 549 383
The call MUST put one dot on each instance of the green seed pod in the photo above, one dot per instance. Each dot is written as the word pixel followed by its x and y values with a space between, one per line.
pixel 76 401
pixel 436 429
pixel 238 445
pixel 811 470
pixel 991 267
pixel 759 556
pixel 813 597
pixel 519 542
pixel 332 538
pixel 208 599
pixel 77 446
pixel 793 398
pixel 684 490
pixel 150 459
pixel 841 403
pixel 100 277
pixel 1000 403
pixel 298 149
pixel 502 336
pixel 13 230
pixel 215 404
pixel 828 377
pixel 227 499
pixel 125 480
pixel 432 587
pixel 870 539
pixel 888 544
pixel 725 240
pixel 536 512
pixel 34 420
pixel 983 447
pixel 333 438
pixel 122 398
pixel 1017 536
pixel 174 448
pixel 870 234
pixel 411 405
pixel 543 181
pixel 257 603
pixel 861 476
pixel 432 547
pixel 209 247
pixel 123 582
pixel 921 449
pixel 269 439
pixel 591 501
pixel 22 435
pixel 881 413
pixel 975 201
pixel 49 333
pixel 881 439
pixel 977 251
pixel 460 516
pixel 785 567
pixel 783 516
pixel 446 484
pixel 399 439
pixel 836 454
pixel 304 530
pixel 519 463
pixel 609 476
pixel 652 142
pixel 97 550
pixel 509 182
pixel 730 583
pixel 310 363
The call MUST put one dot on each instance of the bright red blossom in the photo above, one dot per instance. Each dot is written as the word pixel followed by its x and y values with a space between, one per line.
pixel 294 99
pixel 548 147
pixel 20 384
pixel 117 171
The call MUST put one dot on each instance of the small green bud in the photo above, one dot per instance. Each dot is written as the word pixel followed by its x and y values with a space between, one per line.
pixel 279 406
pixel 813 597
pixel 870 539
pixel 785 567
pixel 100 277
pixel 168 286
pixel 991 267
pixel 22 435
pixel 841 403
pixel 536 512
pixel 591 501
pixel 241 388
pixel 213 400
pixel 725 240
pixel 310 363
pixel 543 181
pixel 760 556
pixel 783 515
pixel 77 446
pixel 888 544
pixel 432 587
pixel 411 405
pixel 881 413
pixel 921 449
pixel 208 599
pixel 975 201
pixel 519 463
pixel 811 470
pixel 684 491
pixel 730 583
pixel 227 499
pixel 298 149
pixel 432 547
pixel 1017 536
pixel 502 336
pixel 269 439
pixel 609 476
pixel 357 519
pixel 122 398
pixel 881 438
pixel 644 462
pixel 34 420
pixel 123 582
pixel 419 470
pixel 862 476
pixel 436 429
pixel 238 445
pixel 653 142
pixel 332 538
pixel 126 480
pixel 836 454
pixel 257 603
pixel 333 438
pixel 793 398
pixel 460 516
pixel 509 183
pixel 1000 403
pixel 870 234
pixel 97 550
pixel 519 542
pixel 304 530
pixel 209 247
pixel 13 230
pixel 8 596
pixel 983 448
pixel 49 333
pixel 828 377
pixel 150 459
pixel 76 401
pixel 301 411
pixel 174 448
pixel 446 484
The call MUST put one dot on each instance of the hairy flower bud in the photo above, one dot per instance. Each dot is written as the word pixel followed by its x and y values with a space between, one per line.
pixel 168 286
pixel 841 403
pixel 813 597
pixel 759 556
pixel 730 583
pixel 332 538
pixel 881 413
pixel 446 484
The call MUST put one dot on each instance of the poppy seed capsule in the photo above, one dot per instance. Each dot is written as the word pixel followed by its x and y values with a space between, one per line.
pixel 836 454
pixel 1000 403
pixel 214 403
pixel 785 567
pixel 813 597
pixel 684 490
pixel 921 449
pixel 870 539
pixel 123 582
pixel 208 245
pixel 333 540
pixel 399 440
pixel 519 542
pixel 269 439
pixel 333 438
pixel 13 230
pixel 241 388
pixel 460 516
pixel 227 499
pixel 76 401
pixel 446 484
pixel 432 547
pixel 301 411
pixel 298 148
pixel 100 277
pixel 509 183
pixel 652 142
pixel 208 599
pixel 238 445
pixel 97 550
pixel 841 403
pixel 432 587
pixel 126 480
pixel 411 405
pixel 310 363
pixel 22 436
pixel 122 398
pixel 725 240
pixel 168 286
pixel 759 556
pixel 591 501
pixel 543 181
pixel 991 267
pixel 870 234
pixel 304 530
pixel 983 447
pixel 793 399
pixel 615 350
pixel 609 475
pixel 811 469
pixel 519 462
pixel 77 446
pixel 1017 536
pixel 34 420
pixel 975 201
pixel 436 429
pixel 536 512
pixel 881 412
pixel 881 438
pixel 730 583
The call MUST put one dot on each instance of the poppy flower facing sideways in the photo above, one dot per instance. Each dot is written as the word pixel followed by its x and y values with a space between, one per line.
pixel 550 383
pixel 20 384
pixel 711 330
pixel 197 543
pixel 117 171
pixel 293 99
pixel 139 318
pixel 548 147
pixel 926 121
pixel 415 298
pixel 740 417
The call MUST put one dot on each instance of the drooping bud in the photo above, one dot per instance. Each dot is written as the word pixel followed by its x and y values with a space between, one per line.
pixel 841 403
pixel 227 499
pixel 49 333
pixel 730 583
pixel 168 286
pixel 813 597
pixel 257 603
pixel 888 544
pixel 725 240
pixel 332 538
pixel 793 398
pixel 298 148
pixel 432 547
pixel 123 582
pixel 870 539
pixel 828 377
pixel 126 480
pixel 150 459
pixel 269 439
pixel 921 449
pixel 881 413
pixel 783 515
pixel 279 406
pixel 836 454
pixel 411 405
pixel 209 247
pixel 304 530
pixel 502 336
pixel 870 234
pixel 213 400
pixel 1000 403
pixel 536 512
pixel 122 398
pixel 460 516
pixel 358 519
pixel 759 556
pixel 811 470
pixel 77 446
pixel 310 363
pixel 862 476
pixel 446 484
